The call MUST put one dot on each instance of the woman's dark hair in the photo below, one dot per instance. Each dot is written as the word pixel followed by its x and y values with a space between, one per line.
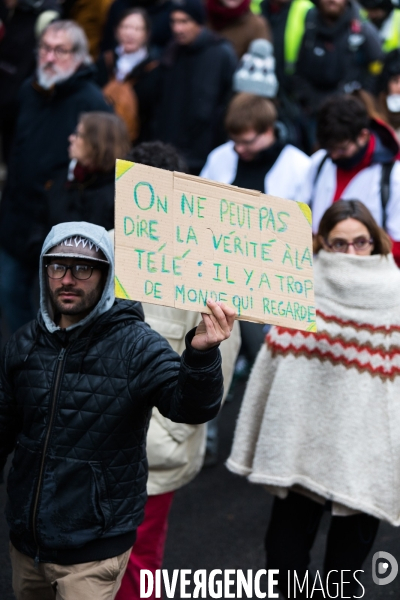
pixel 136 11
pixel 352 209
pixel 341 118
pixel 106 139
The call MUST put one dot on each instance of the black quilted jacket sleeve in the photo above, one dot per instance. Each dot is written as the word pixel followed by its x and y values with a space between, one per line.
pixel 9 421
pixel 187 389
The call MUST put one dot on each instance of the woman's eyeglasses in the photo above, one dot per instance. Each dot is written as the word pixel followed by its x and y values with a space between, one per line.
pixel 359 244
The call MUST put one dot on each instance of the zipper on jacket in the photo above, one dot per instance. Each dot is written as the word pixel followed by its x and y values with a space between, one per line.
pixel 60 363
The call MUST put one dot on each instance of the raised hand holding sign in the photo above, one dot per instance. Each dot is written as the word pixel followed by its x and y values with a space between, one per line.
pixel 214 327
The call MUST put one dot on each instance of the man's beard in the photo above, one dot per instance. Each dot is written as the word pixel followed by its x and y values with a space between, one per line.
pixel 87 301
pixel 349 163
pixel 47 78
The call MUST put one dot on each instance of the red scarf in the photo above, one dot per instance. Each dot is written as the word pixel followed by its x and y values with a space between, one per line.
pixel 81 173
pixel 220 16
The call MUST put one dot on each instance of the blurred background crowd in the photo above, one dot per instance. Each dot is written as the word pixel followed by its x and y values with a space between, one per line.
pixel 244 91
pixel 294 98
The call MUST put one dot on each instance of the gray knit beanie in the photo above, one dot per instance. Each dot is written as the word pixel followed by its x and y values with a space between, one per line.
pixel 256 72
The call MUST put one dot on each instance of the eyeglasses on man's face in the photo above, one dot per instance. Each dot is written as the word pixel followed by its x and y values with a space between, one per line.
pixel 59 51
pixel 80 271
pixel 246 143
pixel 360 244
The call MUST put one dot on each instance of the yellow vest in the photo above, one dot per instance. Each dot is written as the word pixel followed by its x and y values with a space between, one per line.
pixel 393 41
pixel 294 32
pixel 255 6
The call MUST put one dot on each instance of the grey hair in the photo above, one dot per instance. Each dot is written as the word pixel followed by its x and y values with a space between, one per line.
pixel 77 36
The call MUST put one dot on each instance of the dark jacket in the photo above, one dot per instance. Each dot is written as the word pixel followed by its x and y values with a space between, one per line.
pixel 77 406
pixel 91 200
pixel 335 59
pixel 277 15
pixel 141 79
pixel 17 59
pixel 17 47
pixel 192 92
pixel 45 121
pixel 105 67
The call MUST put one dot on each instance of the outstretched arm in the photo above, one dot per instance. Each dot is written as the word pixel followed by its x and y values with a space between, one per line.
pixel 185 389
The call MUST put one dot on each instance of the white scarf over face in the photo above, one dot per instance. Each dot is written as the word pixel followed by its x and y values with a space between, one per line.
pixel 321 412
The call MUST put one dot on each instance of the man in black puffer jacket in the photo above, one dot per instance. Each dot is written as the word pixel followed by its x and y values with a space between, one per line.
pixel 77 388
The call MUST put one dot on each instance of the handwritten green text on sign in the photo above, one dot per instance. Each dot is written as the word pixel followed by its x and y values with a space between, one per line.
pixel 181 239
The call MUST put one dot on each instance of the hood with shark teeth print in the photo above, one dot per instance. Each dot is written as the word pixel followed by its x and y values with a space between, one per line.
pixel 77 235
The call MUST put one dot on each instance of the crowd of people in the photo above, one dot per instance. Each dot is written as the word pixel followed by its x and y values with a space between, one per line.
pixel 294 98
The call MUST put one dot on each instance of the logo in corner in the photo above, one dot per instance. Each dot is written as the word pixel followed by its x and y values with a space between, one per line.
pixel 384 563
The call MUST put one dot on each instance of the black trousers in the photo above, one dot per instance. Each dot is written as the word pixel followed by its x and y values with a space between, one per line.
pixel 253 337
pixel 290 536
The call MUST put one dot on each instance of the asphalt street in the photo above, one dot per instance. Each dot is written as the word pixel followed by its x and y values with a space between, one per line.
pixel 218 522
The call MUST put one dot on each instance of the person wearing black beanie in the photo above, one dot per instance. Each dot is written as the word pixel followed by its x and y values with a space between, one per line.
pixel 194 8
pixel 193 86
pixel 187 22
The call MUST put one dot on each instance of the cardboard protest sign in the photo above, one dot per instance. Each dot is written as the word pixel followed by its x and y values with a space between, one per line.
pixel 181 239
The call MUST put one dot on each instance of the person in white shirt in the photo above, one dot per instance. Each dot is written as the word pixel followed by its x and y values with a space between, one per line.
pixel 358 161
pixel 255 157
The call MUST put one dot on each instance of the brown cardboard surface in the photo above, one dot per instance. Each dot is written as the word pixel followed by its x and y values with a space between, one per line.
pixel 180 239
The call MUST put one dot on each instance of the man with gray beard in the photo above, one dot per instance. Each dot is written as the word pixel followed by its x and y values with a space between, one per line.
pixel 50 105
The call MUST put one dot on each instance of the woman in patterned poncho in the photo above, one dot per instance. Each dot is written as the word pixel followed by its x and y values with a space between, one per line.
pixel 320 420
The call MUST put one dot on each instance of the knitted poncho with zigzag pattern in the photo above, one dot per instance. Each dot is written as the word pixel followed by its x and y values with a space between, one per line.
pixel 321 412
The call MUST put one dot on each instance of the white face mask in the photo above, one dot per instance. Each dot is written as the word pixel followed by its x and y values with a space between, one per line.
pixel 393 103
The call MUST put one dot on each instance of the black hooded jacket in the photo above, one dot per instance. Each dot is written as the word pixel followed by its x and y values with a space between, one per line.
pixel 192 91
pixel 337 58
pixel 91 200
pixel 76 407
pixel 46 119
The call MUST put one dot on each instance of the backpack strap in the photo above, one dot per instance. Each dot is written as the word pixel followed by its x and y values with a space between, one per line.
pixel 385 185
pixel 317 174
pixel 385 189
